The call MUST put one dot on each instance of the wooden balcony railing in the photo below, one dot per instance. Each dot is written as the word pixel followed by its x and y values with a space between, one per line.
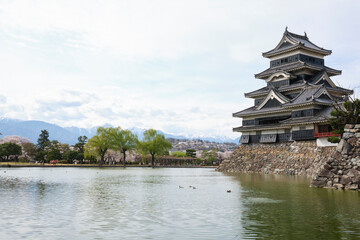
pixel 326 134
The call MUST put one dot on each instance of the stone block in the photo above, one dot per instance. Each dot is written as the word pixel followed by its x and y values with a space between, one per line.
pixel 330 160
pixel 325 173
pixel 352 187
pixel 338 186
pixel 352 141
pixel 329 184
pixel 343 147
pixel 327 166
pixel 357 126
pixel 353 173
pixel 318 183
pixel 337 155
pixel 349 126
pixel 345 180
pixel 348 135
pixel 357 135
pixel 356 179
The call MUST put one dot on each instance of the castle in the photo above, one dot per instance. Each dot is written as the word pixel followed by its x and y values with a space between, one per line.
pixel 298 97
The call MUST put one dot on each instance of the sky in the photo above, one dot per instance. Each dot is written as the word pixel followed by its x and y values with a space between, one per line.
pixel 178 66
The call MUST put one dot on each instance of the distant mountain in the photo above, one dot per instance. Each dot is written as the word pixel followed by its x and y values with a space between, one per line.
pixel 32 129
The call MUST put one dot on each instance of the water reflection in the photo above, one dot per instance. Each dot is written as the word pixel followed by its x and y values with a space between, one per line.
pixel 142 203
pixel 283 207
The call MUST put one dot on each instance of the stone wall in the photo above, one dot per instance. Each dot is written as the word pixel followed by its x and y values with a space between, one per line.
pixel 342 169
pixel 296 158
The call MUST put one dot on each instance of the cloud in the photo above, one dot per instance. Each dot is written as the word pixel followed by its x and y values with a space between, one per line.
pixel 3 99
pixel 179 66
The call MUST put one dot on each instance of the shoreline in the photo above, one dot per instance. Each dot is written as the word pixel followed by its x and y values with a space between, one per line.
pixel 19 165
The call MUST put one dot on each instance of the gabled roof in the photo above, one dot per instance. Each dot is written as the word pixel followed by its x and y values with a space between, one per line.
pixel 311 95
pixel 296 66
pixel 285 88
pixel 323 76
pixel 291 41
pixel 273 94
pixel 279 73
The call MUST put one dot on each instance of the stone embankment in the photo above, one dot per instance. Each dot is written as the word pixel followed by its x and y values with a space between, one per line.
pixel 342 169
pixel 297 158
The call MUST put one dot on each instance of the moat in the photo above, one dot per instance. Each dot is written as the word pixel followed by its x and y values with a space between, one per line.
pixel 145 203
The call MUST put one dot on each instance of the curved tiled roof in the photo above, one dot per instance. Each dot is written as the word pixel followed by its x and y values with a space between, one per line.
pixel 291 41
pixel 296 66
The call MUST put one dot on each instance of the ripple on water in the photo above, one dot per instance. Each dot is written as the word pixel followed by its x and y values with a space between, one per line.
pixel 148 204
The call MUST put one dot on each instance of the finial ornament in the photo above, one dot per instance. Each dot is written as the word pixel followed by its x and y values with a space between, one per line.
pixel 305 34
pixel 286 29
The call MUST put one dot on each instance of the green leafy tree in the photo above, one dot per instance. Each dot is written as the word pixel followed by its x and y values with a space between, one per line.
pixel 98 145
pixel 80 148
pixel 10 149
pixel 70 156
pixel 154 144
pixel 123 141
pixel 29 150
pixel 178 154
pixel 209 156
pixel 53 151
pixel 346 113
pixel 191 153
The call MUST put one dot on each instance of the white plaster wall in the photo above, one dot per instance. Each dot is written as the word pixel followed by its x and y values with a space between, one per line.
pixel 309 127
pixel 323 142
pixel 269 132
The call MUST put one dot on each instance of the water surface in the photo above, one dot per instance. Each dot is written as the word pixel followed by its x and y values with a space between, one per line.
pixel 145 203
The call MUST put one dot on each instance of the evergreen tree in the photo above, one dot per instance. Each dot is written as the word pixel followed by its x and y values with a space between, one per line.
pixel 346 113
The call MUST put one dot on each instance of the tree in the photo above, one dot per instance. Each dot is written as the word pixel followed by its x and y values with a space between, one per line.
pixel 154 143
pixel 191 153
pixel 70 155
pixel 346 113
pixel 98 145
pixel 123 141
pixel 209 156
pixel 29 150
pixel 10 149
pixel 42 143
pixel 79 146
pixel 53 151
pixel 43 140
pixel 178 154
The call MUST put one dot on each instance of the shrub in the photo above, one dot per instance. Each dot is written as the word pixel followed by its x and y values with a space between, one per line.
pixel 191 153
pixel 333 139
pixel 178 154
pixel 64 161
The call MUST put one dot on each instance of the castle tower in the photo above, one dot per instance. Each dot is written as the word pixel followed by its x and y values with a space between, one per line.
pixel 298 97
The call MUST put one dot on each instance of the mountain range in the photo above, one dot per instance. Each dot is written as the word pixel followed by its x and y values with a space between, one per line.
pixel 31 129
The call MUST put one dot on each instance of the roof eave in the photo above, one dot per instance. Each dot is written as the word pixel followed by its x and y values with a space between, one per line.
pixel 273 52
pixel 241 115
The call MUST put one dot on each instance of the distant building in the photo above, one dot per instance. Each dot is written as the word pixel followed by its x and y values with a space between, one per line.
pixel 298 97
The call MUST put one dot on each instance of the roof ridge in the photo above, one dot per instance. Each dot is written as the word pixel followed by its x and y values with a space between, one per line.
pixel 297 35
